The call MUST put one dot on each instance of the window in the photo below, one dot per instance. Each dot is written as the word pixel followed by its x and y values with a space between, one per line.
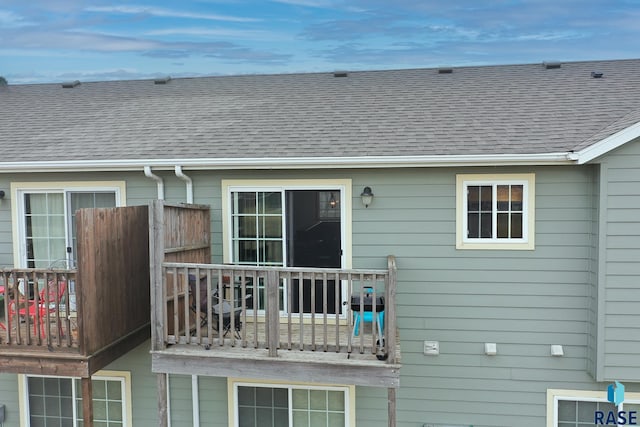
pixel 57 401
pixel 278 405
pixel 495 211
pixel 45 216
pixel 578 408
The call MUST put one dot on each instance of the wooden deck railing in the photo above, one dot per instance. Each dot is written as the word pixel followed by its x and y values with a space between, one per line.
pixel 38 309
pixel 277 308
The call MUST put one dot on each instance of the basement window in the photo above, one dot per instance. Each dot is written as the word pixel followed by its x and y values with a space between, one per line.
pixel 50 401
pixel 258 404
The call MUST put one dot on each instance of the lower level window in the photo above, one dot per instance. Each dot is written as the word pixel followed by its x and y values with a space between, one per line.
pixel 259 405
pixel 57 401
pixel 588 408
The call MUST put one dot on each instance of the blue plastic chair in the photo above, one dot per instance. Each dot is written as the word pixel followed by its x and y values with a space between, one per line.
pixel 367 317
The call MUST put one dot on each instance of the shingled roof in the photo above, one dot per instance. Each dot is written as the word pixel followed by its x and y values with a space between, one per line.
pixel 488 111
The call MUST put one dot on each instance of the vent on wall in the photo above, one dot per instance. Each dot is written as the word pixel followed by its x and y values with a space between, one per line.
pixel 551 65
pixel 69 85
pixel 162 80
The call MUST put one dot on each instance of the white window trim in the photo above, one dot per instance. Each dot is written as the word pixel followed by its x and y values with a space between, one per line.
pixel 123 376
pixel 233 383
pixel 17 207
pixel 343 185
pixel 528 208
pixel 554 395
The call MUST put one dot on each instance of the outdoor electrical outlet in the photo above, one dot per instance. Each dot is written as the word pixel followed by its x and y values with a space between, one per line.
pixel 431 348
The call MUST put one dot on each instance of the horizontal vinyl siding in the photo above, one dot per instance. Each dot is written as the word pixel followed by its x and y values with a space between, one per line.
pixel 9 398
pixel 6 239
pixel 143 384
pixel 621 288
pixel 522 300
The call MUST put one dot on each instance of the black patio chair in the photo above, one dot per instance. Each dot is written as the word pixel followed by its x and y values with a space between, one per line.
pixel 219 307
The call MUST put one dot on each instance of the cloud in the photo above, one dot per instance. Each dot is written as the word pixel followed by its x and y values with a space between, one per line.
pixel 9 19
pixel 306 3
pixel 220 32
pixel 74 40
pixel 166 13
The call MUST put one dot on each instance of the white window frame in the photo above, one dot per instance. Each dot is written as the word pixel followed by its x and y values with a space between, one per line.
pixel 123 377
pixel 527 242
pixel 232 390
pixel 343 186
pixel 19 189
pixel 555 395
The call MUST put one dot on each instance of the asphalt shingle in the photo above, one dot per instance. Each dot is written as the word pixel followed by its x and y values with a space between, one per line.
pixel 512 109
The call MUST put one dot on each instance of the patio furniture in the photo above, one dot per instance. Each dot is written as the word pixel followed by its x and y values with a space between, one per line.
pixel 219 307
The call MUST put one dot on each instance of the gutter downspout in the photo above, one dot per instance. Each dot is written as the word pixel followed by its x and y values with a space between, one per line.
pixel 185 178
pixel 157 179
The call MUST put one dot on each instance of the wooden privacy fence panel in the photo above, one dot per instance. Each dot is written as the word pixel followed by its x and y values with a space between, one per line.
pixel 187 235
pixel 178 233
pixel 113 267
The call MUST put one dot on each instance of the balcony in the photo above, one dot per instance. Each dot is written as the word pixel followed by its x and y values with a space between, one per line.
pixel 75 322
pixel 39 310
pixel 258 321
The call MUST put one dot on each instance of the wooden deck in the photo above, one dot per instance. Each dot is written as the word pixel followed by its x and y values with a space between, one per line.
pixel 241 358
pixel 308 337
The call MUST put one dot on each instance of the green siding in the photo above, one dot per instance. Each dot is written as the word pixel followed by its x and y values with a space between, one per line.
pixel 522 300
pixel 9 398
pixel 143 384
pixel 619 317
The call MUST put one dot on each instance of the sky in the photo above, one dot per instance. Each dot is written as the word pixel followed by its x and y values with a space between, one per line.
pixel 61 40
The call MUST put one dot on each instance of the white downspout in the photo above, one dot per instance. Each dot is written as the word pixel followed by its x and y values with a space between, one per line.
pixel 195 398
pixel 189 182
pixel 157 179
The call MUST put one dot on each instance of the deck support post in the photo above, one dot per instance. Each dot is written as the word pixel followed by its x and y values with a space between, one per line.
pixel 163 419
pixel 273 313
pixel 391 397
pixel 390 308
pixel 87 402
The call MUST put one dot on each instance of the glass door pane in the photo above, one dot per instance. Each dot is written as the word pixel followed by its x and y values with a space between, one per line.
pixel 257 228
pixel 45 229
pixel 80 200
pixel 314 233
pixel 257 234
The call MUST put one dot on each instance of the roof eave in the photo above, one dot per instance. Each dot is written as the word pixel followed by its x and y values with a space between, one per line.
pixel 291 163
pixel 606 145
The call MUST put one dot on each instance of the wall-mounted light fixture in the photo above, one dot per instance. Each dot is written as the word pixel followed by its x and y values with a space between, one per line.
pixel 332 201
pixel 367 196
pixel 1 194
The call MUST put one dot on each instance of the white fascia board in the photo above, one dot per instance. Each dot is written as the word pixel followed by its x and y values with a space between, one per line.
pixel 606 145
pixel 291 163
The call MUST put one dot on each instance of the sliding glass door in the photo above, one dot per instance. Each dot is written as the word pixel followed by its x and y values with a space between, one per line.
pixel 49 228
pixel 290 227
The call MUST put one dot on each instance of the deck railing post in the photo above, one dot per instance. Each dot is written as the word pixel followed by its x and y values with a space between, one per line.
pixel 158 292
pixel 273 312
pixel 390 307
